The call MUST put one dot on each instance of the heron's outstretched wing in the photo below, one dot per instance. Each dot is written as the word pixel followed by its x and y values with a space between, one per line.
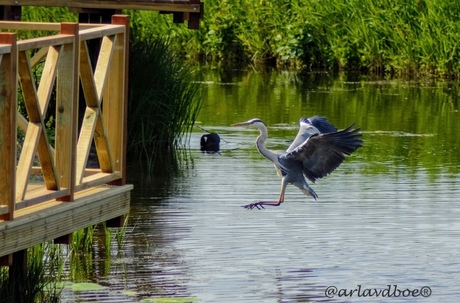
pixel 320 154
pixel 309 127
pixel 321 124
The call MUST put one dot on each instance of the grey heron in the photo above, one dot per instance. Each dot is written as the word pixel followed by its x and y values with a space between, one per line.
pixel 317 150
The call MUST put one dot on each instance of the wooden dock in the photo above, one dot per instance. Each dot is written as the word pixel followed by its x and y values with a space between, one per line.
pixel 55 69
pixel 182 10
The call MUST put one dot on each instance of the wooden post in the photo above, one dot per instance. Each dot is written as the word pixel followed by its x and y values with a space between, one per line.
pixel 194 18
pixel 10 12
pixel 65 239
pixel 67 110
pixel 8 96
pixel 116 100
pixel 6 260
pixel 178 17
pixel 116 222
pixel 18 276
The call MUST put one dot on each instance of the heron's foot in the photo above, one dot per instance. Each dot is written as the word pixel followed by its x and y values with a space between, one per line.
pixel 309 192
pixel 313 194
pixel 261 204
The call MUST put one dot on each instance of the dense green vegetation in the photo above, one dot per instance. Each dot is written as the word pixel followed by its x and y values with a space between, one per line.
pixel 163 100
pixel 402 37
pixel 46 262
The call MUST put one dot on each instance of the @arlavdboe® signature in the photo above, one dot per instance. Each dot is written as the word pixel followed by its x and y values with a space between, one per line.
pixel 388 292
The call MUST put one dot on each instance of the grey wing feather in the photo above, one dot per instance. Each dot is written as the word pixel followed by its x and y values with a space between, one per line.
pixel 321 124
pixel 309 127
pixel 320 154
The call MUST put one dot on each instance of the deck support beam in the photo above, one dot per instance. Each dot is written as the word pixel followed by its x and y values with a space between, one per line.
pixel 17 276
pixel 54 219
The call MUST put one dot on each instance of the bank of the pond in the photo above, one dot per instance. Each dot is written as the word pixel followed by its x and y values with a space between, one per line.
pixel 410 38
pixel 396 38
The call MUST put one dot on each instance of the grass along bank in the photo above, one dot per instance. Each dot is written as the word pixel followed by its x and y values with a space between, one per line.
pixel 49 264
pixel 401 37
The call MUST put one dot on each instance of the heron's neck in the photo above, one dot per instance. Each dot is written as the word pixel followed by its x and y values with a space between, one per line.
pixel 260 143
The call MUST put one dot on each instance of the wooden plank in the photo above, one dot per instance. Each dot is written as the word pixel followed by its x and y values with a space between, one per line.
pixel 17 25
pixel 176 6
pixel 26 158
pixel 22 122
pixel 37 26
pixel 45 87
pixel 92 98
pixel 39 140
pixel 5 49
pixel 8 87
pixel 98 32
pixel 98 179
pixel 38 56
pixel 28 88
pixel 104 153
pixel 66 110
pixel 173 6
pixel 103 65
pixel 36 170
pixel 47 161
pixel 37 208
pixel 86 77
pixel 39 195
pixel 48 78
pixel 84 141
pixel 115 112
pixel 52 219
pixel 40 42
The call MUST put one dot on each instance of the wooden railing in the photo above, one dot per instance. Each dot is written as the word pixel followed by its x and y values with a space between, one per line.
pixel 182 10
pixel 49 68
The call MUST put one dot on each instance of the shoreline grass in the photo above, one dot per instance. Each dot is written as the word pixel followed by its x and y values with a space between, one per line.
pixel 400 38
pixel 163 100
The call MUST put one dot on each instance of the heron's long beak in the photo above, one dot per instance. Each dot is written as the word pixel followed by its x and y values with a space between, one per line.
pixel 240 124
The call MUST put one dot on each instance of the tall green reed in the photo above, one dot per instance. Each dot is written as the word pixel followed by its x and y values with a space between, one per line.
pixel 46 264
pixel 163 99
pixel 44 267
pixel 402 37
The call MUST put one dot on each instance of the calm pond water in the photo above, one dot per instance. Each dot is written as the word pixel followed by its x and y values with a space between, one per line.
pixel 386 219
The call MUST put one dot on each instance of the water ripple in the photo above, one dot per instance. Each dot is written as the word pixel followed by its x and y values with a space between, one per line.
pixel 370 230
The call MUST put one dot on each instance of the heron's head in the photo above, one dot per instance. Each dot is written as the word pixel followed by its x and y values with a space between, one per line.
pixel 255 123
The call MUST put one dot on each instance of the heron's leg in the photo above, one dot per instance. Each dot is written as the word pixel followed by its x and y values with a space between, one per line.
pixel 261 204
